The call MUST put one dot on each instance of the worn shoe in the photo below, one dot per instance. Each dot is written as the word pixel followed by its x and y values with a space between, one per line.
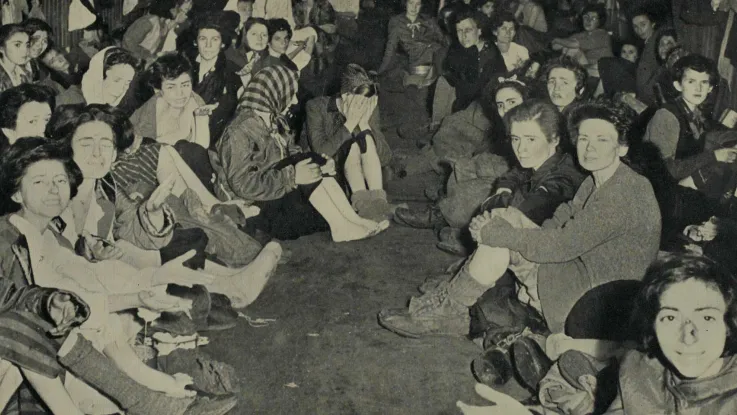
pixel 425 219
pixel 453 247
pixel 434 194
pixel 433 282
pixel 433 314
pixel 530 362
pixel 494 367
pixel 217 405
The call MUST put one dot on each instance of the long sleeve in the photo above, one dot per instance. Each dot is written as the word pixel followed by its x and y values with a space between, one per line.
pixel 542 201
pixel 663 131
pixel 135 35
pixel 248 168
pixel 323 135
pixel 391 44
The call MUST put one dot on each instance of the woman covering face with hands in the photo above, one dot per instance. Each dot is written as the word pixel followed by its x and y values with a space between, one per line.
pixel 348 128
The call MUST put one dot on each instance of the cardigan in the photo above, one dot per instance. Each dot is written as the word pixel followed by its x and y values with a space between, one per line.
pixel 603 234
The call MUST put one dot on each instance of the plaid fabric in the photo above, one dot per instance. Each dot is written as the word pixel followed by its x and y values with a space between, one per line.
pixel 271 91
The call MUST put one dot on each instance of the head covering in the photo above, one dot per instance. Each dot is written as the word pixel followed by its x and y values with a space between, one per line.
pixel 354 77
pixel 271 91
pixel 92 88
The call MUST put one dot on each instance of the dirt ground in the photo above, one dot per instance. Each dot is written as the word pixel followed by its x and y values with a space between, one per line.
pixel 325 353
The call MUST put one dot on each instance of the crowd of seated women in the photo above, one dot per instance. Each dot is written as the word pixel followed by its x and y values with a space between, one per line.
pixel 589 191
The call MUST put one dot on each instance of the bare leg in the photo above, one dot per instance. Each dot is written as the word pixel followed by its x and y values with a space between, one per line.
pixel 372 165
pixel 353 171
pixel 488 264
pixel 341 228
pixel 335 193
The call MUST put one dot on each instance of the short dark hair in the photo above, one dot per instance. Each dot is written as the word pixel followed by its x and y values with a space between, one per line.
pixel 12 99
pixel 544 113
pixel 278 25
pixel 118 56
pixel 697 63
pixel 465 13
pixel 169 66
pixel 64 124
pixel 618 44
pixel 518 86
pixel 597 8
pixel 163 8
pixel 618 114
pixel 34 25
pixel 565 62
pixel 215 21
pixel 674 269
pixel 8 30
pixel 500 18
pixel 16 160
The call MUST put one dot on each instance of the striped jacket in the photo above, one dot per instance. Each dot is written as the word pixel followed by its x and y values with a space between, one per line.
pixel 27 336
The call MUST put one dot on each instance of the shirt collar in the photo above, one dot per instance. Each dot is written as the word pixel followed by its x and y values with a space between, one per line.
pixel 206 66
pixel 16 76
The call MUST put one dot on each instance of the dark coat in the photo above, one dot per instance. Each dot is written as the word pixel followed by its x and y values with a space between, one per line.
pixel 468 70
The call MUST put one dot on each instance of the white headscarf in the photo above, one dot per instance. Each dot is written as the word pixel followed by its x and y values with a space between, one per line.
pixel 92 86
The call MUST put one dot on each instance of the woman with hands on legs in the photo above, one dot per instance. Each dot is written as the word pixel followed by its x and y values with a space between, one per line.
pixel 347 127
pixel 259 162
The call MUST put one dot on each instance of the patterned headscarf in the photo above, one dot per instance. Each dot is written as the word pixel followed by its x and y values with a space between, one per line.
pixel 354 77
pixel 271 91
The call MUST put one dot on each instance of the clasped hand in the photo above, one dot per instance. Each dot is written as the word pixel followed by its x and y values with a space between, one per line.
pixel 358 110
pixel 477 223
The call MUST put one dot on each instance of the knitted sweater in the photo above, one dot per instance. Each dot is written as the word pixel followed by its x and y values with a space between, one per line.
pixel 605 234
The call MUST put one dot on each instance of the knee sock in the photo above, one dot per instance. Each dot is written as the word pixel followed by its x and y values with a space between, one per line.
pixel 91 366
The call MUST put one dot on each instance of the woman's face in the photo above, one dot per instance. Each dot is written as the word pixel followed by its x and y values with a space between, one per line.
pixel 279 42
pixel 690 328
pixel 562 87
pixel 44 190
pixel 591 21
pixel 667 43
pixel 39 43
pixel 505 33
pixel 597 145
pixel 413 8
pixel 209 43
pixel 177 92
pixel 643 27
pixel 257 37
pixel 117 80
pixel 488 8
pixel 56 61
pixel 32 119
pixel 630 53
pixel 181 12
pixel 17 49
pixel 694 86
pixel 530 145
pixel 506 99
pixel 93 144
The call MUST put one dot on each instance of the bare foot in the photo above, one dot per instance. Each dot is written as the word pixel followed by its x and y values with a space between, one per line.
pixel 252 279
pixel 354 232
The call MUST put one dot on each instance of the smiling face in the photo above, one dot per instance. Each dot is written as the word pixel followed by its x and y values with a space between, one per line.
pixel 17 49
pixel 562 87
pixel 666 44
pixel 44 191
pixel 468 33
pixel 530 145
pixel 597 145
pixel 694 86
pixel 93 144
pixel 690 328
pixel 591 21
pixel 32 119
pixel 117 80
pixel 643 26
pixel 209 43
pixel 413 8
pixel 505 33
pixel 279 42
pixel 257 37
pixel 630 53
pixel 506 99
pixel 39 43
pixel 177 92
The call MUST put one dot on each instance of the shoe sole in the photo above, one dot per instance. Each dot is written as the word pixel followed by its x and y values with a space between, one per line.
pixel 411 335
pixel 529 373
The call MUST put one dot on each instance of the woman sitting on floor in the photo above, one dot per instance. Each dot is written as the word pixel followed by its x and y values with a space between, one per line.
pixel 24 112
pixel 106 81
pixel 149 174
pixel 347 128
pixel 258 161
pixel 593 43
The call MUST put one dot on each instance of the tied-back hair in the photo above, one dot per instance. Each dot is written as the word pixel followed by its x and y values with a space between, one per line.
pixel 357 81
pixel 677 268
pixel 543 113
pixel 16 160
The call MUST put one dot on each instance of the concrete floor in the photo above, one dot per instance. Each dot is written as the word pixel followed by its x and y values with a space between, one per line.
pixel 326 353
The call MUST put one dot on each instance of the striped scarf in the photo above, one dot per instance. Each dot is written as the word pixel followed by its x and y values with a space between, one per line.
pixel 271 91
